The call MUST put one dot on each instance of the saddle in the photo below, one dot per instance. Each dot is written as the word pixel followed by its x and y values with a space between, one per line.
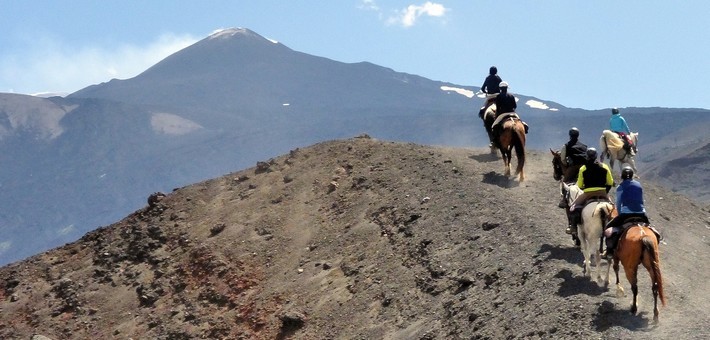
pixel 508 115
pixel 632 221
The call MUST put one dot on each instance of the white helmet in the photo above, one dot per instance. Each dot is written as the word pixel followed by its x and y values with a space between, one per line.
pixel 503 84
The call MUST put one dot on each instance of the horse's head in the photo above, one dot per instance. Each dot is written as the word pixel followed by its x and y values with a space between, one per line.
pixel 634 138
pixel 569 192
pixel 557 171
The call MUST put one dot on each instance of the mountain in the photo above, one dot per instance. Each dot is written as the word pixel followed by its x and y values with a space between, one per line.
pixel 355 239
pixel 70 165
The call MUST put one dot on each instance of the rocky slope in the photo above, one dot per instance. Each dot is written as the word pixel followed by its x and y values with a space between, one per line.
pixel 355 239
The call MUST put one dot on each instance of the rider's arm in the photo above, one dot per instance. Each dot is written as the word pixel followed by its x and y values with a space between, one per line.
pixel 626 126
pixel 609 178
pixel 619 193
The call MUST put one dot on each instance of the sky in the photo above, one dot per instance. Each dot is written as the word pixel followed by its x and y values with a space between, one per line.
pixel 582 54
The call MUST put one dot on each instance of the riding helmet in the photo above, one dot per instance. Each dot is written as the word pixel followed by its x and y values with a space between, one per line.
pixel 574 132
pixel 615 111
pixel 591 154
pixel 627 172
pixel 503 84
pixel 493 70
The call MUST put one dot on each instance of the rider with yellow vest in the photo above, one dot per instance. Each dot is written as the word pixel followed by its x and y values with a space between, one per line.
pixel 595 180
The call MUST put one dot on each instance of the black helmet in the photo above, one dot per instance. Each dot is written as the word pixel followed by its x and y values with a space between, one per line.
pixel 627 173
pixel 591 154
pixel 574 132
pixel 493 70
pixel 615 111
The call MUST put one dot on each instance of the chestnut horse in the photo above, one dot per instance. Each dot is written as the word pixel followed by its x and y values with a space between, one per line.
pixel 512 136
pixel 638 245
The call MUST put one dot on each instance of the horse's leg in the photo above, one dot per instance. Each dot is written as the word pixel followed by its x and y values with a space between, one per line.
pixel 608 272
pixel 506 159
pixel 584 238
pixel 619 288
pixel 631 276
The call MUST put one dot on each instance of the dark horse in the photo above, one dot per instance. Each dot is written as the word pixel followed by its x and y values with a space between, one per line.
pixel 638 244
pixel 565 173
pixel 512 135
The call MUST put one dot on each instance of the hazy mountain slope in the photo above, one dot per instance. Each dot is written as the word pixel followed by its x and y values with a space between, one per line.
pixel 354 239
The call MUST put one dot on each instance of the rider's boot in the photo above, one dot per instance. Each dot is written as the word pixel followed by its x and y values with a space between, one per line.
pixel 563 203
pixel 571 229
pixel 526 127
pixel 610 245
pixel 575 219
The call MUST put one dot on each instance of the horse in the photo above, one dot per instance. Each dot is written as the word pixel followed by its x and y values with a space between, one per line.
pixel 611 146
pixel 565 173
pixel 595 215
pixel 512 136
pixel 570 192
pixel 638 244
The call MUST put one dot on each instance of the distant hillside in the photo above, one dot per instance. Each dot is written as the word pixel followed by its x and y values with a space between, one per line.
pixel 357 239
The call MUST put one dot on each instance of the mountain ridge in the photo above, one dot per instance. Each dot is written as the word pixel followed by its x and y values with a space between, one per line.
pixel 356 238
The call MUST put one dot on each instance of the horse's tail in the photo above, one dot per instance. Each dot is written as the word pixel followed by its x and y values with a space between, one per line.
pixel 651 250
pixel 603 147
pixel 519 144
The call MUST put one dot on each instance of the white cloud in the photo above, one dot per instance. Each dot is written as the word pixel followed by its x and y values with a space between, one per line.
pixel 369 5
pixel 50 66
pixel 408 16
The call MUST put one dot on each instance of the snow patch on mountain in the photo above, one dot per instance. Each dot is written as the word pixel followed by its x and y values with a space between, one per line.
pixel 170 124
pixel 535 104
pixel 463 92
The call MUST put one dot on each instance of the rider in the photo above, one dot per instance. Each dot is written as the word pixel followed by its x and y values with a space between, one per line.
pixel 492 82
pixel 595 180
pixel 617 124
pixel 629 202
pixel 491 88
pixel 573 153
pixel 505 107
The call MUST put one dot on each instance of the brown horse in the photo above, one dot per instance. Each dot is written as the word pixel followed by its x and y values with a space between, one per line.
pixel 512 135
pixel 638 245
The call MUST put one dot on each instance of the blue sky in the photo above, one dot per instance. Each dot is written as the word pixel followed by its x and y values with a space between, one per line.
pixel 586 54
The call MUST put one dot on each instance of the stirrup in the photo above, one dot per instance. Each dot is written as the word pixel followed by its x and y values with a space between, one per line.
pixel 570 231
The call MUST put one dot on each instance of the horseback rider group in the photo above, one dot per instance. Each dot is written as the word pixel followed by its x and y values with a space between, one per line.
pixel 496 91
pixel 594 177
